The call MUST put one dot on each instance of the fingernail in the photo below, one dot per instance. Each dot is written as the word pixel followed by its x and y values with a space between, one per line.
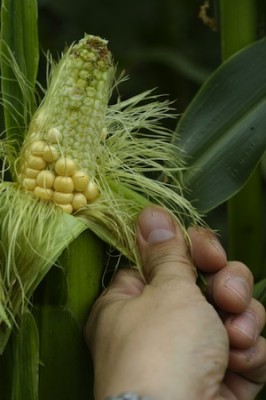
pixel 156 225
pixel 246 323
pixel 239 287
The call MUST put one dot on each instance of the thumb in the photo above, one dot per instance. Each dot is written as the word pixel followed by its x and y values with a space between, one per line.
pixel 162 246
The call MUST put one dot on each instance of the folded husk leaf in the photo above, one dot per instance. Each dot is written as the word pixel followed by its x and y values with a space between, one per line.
pixel 32 236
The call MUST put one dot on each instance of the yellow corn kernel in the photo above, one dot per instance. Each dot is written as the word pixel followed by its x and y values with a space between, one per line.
pixel 66 207
pixel 31 173
pixel 20 177
pixel 43 193
pixel 65 166
pixel 37 148
pixel 62 198
pixel 92 191
pixel 29 184
pixel 35 162
pixel 79 200
pixel 64 184
pixel 45 179
pixel 80 180
pixel 50 153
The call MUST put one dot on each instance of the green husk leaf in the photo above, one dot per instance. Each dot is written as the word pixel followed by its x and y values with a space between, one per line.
pixel 33 235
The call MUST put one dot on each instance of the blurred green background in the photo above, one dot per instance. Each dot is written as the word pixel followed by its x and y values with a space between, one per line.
pixel 159 43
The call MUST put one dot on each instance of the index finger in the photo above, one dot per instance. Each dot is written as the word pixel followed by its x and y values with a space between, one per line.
pixel 207 253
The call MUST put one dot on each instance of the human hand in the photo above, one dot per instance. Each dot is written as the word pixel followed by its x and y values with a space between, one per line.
pixel 163 339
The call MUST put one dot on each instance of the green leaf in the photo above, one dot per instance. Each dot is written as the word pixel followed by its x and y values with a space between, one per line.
pixel 26 360
pixel 259 291
pixel 222 133
pixel 19 52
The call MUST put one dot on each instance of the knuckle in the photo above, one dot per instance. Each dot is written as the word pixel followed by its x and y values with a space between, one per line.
pixel 168 260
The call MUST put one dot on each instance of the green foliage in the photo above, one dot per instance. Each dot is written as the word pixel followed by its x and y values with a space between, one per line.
pixel 19 66
pixel 222 133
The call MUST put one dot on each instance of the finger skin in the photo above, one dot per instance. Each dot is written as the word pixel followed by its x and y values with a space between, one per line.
pixel 230 289
pixel 250 363
pixel 207 253
pixel 242 388
pixel 244 329
pixel 229 284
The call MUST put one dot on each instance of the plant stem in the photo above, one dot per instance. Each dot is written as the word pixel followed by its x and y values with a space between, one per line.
pixel 245 236
pixel 238 23
pixel 83 261
pixel 60 310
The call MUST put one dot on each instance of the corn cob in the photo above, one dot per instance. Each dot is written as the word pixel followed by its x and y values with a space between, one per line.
pixel 64 140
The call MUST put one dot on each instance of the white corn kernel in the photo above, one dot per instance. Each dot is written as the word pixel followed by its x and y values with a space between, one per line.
pixel 35 162
pixel 65 166
pixel 64 184
pixel 80 180
pixel 79 200
pixel 92 191
pixel 54 135
pixel 62 198
pixel 43 193
pixel 45 179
